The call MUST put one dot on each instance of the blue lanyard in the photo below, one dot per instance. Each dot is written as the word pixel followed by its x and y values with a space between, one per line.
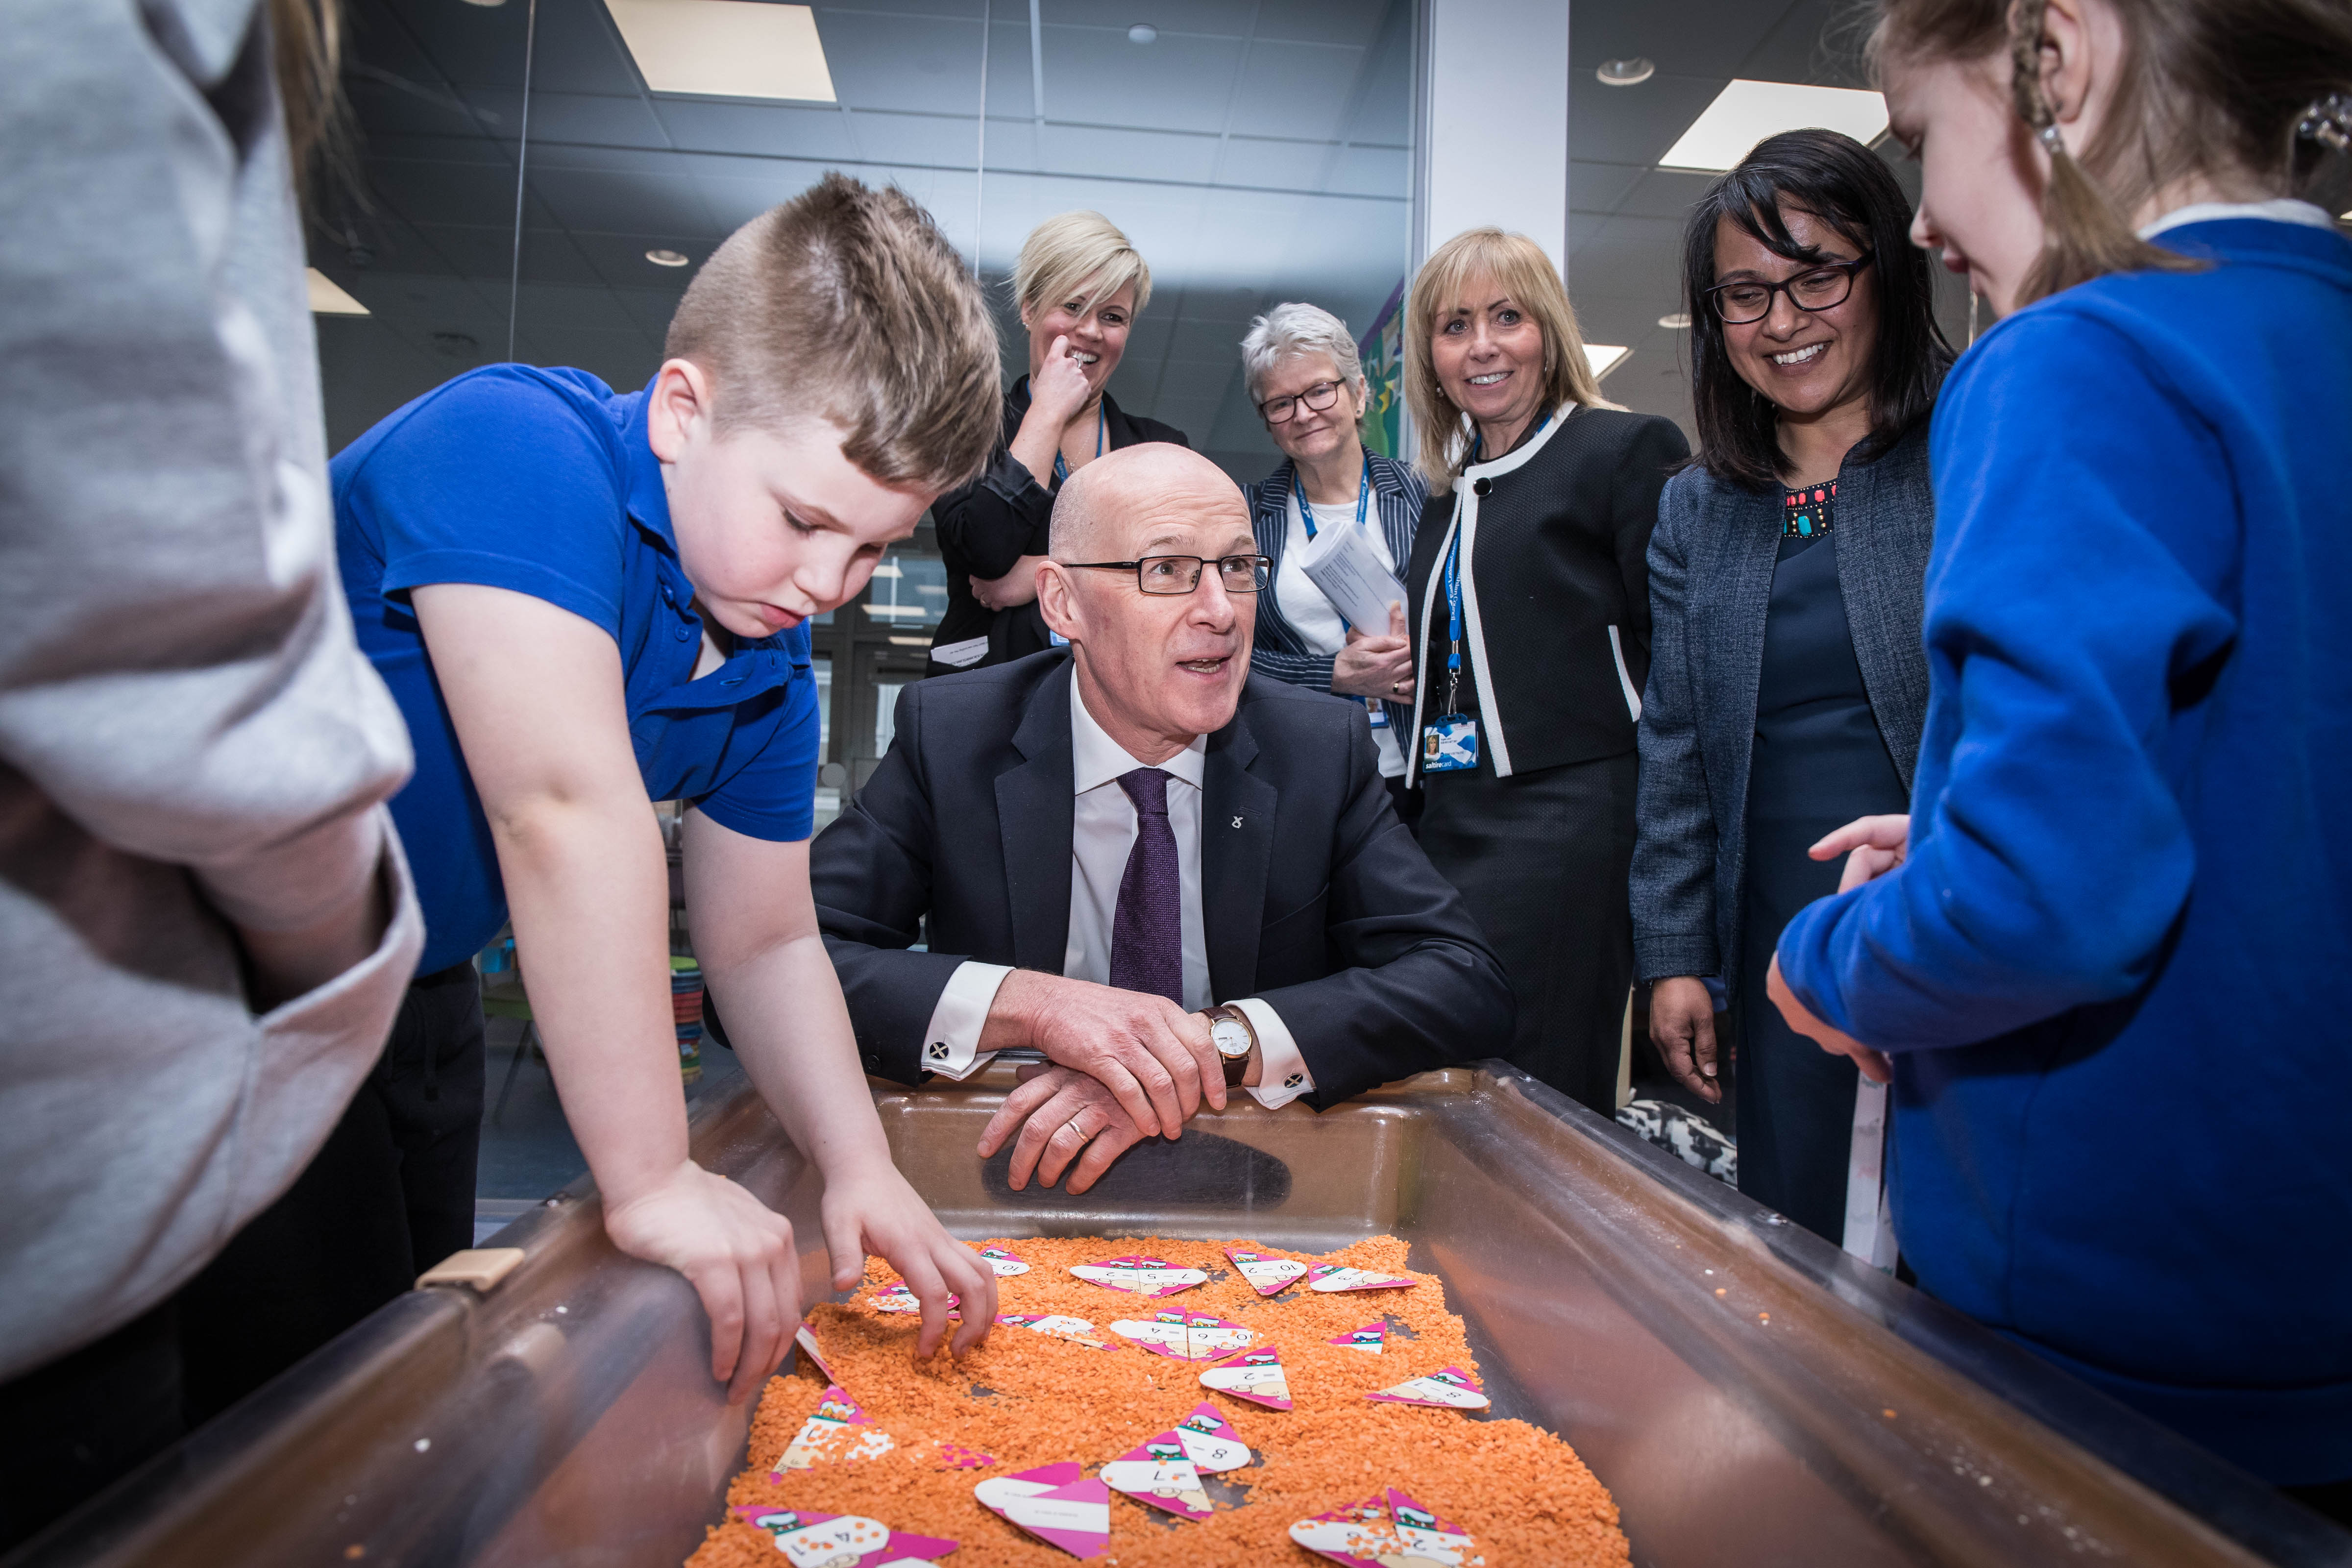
pixel 1364 496
pixel 1453 605
pixel 1062 468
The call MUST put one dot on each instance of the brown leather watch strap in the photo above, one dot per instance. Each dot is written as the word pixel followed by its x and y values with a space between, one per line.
pixel 1236 1068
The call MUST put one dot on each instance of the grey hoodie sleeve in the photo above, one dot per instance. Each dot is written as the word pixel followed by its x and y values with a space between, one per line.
pixel 177 670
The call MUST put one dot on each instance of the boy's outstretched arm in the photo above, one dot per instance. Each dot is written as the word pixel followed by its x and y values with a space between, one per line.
pixel 756 935
pixel 537 698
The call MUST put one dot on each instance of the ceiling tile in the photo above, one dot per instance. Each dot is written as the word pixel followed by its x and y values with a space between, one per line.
pixel 1635 124
pixel 1295 89
pixel 916 63
pixel 761 130
pixel 1093 150
pixel 930 140
pixel 1666 194
pixel 1097 78
pixel 1351 24
pixel 1599 187
pixel 1692 37
pixel 625 202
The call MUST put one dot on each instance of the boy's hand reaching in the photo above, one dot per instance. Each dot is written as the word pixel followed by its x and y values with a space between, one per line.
pixel 875 1211
pixel 738 1255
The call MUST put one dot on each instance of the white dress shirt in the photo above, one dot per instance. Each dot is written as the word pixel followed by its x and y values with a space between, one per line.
pixel 1311 613
pixel 1102 834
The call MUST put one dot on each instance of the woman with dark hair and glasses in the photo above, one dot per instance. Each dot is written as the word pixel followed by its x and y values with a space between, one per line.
pixel 1786 682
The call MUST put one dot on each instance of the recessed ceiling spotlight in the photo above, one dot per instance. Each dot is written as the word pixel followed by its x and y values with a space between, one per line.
pixel 1676 321
pixel 1143 33
pixel 666 257
pixel 1626 72
pixel 485 3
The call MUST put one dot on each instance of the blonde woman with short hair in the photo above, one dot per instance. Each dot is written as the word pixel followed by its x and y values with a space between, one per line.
pixel 1080 285
pixel 1530 606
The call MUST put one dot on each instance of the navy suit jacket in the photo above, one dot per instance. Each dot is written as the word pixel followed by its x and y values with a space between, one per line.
pixel 1313 897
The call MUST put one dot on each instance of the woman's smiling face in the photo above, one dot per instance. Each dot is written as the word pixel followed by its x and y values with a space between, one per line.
pixel 1806 362
pixel 1096 332
pixel 1489 355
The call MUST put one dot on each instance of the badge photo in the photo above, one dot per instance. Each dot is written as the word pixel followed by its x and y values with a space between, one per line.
pixel 1449 744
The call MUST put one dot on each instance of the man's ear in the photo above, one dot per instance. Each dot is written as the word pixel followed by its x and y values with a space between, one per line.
pixel 679 409
pixel 1057 600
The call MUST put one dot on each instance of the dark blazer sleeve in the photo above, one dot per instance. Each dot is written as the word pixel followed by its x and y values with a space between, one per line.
pixel 987 525
pixel 1647 458
pixel 1674 882
pixel 870 872
pixel 1414 986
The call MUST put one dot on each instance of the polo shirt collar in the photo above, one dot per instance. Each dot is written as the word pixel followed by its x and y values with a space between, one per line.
pixel 648 501
pixel 1095 759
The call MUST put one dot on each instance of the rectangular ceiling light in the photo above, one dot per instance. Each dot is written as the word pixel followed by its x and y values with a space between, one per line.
pixel 1603 358
pixel 725 48
pixel 329 298
pixel 1746 112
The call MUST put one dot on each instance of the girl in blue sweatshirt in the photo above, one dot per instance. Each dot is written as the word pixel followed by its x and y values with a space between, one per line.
pixel 2105 957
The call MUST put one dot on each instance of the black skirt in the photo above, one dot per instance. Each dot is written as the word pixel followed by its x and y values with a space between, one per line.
pixel 1542 858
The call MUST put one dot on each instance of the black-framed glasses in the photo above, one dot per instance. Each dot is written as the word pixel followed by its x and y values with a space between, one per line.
pixel 1819 287
pixel 1181 574
pixel 1320 397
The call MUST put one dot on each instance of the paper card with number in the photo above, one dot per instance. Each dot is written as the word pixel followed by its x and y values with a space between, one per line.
pixel 1359 1535
pixel 1078 1330
pixel 1157 1473
pixel 1428 1538
pixel 1254 1375
pixel 1370 1337
pixel 1185 1336
pixel 1054 1504
pixel 841 1541
pixel 1139 1275
pixel 1164 1333
pixel 956 1456
pixel 805 1337
pixel 896 1297
pixel 1210 1441
pixel 839 1431
pixel 1450 1389
pixel 1330 1277
pixel 1005 1264
pixel 1267 1274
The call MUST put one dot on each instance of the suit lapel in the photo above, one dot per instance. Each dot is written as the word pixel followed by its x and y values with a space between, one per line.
pixel 1034 807
pixel 1237 853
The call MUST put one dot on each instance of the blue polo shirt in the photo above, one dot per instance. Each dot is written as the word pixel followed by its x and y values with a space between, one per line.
pixel 542 481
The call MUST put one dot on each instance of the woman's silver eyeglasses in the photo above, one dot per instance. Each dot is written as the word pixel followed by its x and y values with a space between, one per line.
pixel 1320 397
pixel 1816 289
pixel 1181 574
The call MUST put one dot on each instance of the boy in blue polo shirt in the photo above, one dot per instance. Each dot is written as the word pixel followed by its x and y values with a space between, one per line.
pixel 584 602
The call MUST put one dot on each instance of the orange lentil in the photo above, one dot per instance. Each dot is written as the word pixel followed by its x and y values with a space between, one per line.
pixel 1519 1490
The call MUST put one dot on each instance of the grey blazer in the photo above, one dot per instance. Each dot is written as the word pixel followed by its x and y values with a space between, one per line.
pixel 1711 564
pixel 1279 651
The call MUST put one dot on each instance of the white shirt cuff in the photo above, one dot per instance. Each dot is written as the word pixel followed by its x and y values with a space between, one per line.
pixel 952 1041
pixel 1282 1071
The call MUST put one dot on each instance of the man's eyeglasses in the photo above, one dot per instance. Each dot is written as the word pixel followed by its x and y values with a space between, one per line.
pixel 1320 397
pixel 1816 289
pixel 1181 574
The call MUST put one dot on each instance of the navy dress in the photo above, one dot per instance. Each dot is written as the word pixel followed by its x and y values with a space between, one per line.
pixel 1819 762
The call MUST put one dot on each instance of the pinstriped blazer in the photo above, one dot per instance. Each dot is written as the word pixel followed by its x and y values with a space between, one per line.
pixel 1711 563
pixel 1279 651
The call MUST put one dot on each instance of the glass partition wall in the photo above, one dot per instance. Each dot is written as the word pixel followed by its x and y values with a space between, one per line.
pixel 539 179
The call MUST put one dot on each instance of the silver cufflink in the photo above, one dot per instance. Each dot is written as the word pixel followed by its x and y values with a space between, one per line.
pixel 1293 1080
pixel 939 1050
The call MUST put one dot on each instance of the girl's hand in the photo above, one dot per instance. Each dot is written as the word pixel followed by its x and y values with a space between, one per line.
pixel 738 1255
pixel 1873 846
pixel 1873 1064
pixel 875 1211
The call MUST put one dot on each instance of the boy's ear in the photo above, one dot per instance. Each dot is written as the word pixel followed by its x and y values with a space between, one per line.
pixel 678 410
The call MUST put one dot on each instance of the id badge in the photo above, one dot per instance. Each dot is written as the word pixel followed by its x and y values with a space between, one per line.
pixel 1449 744
pixel 1378 714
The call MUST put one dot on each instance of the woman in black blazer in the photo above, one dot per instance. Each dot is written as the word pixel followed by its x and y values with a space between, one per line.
pixel 1788 681
pixel 1080 285
pixel 1307 380
pixel 1531 650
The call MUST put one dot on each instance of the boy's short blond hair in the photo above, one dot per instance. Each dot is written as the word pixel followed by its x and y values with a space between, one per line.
pixel 847 303
pixel 1077 256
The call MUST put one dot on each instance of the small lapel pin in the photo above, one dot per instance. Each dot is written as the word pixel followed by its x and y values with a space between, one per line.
pixel 1237 822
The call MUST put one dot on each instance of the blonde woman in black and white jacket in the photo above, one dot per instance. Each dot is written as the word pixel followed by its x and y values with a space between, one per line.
pixel 1530 619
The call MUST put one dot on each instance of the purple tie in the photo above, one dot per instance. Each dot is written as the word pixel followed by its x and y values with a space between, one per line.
pixel 1147 933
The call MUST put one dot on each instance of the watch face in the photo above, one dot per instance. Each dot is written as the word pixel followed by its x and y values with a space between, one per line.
pixel 1230 1037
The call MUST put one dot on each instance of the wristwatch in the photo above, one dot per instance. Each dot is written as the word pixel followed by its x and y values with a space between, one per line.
pixel 1230 1032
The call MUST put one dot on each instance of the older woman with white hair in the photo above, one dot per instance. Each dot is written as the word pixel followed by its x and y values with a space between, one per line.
pixel 1080 285
pixel 1307 380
